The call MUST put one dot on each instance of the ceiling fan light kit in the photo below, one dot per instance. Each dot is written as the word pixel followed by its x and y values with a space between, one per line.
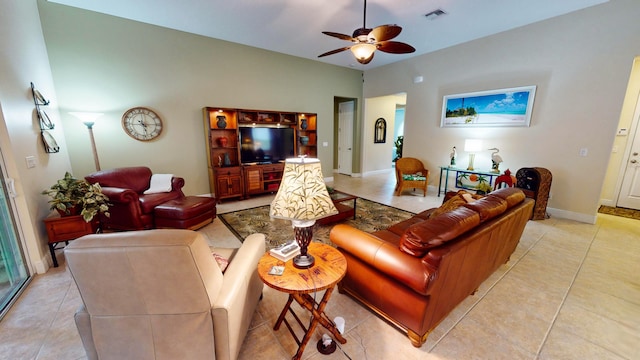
pixel 366 41
pixel 363 52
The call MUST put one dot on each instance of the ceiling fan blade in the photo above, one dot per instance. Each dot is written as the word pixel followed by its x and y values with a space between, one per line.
pixel 395 47
pixel 338 35
pixel 384 32
pixel 335 51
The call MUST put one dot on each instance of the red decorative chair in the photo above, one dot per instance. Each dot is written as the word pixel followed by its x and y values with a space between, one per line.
pixel 505 179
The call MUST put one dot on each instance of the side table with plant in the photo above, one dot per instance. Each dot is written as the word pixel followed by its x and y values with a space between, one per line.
pixel 70 196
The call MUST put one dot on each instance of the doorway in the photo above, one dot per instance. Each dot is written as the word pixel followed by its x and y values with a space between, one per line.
pixel 13 271
pixel 629 196
pixel 346 115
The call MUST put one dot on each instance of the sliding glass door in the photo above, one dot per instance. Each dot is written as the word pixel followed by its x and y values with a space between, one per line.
pixel 13 272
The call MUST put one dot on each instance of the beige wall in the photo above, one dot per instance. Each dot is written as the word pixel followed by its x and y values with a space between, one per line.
pixel 24 60
pixel 107 64
pixel 580 63
pixel 379 157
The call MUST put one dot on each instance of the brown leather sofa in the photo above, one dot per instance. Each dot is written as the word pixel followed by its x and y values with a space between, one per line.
pixel 416 272
pixel 132 209
pixel 159 294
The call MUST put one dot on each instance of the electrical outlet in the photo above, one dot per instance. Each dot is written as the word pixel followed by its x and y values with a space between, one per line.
pixel 584 152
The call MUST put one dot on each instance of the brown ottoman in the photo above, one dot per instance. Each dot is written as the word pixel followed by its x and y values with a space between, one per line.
pixel 191 212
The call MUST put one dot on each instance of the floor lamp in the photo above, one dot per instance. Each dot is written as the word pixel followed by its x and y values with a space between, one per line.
pixel 89 119
pixel 302 198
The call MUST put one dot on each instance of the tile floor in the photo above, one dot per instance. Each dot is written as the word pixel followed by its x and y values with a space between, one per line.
pixel 570 291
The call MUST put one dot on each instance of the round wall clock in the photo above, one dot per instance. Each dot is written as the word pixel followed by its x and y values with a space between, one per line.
pixel 142 123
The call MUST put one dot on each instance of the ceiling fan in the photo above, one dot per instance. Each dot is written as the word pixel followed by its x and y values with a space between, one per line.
pixel 367 41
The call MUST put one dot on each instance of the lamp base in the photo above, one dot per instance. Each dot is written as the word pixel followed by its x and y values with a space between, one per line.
pixel 303 261
pixel 471 158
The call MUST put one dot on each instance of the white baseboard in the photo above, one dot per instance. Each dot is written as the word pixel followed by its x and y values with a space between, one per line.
pixel 376 172
pixel 608 202
pixel 570 215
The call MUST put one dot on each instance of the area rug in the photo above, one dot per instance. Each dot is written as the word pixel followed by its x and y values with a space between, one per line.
pixel 628 213
pixel 370 216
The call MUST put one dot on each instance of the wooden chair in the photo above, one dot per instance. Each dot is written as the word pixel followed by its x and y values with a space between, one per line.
pixel 411 174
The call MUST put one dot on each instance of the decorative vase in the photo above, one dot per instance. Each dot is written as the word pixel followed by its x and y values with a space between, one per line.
pixel 303 124
pixel 304 140
pixel 222 121
pixel 226 161
pixel 222 141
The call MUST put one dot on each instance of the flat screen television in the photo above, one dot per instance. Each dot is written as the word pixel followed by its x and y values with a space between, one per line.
pixel 266 145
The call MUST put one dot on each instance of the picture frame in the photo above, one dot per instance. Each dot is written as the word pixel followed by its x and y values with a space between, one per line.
pixel 380 131
pixel 492 108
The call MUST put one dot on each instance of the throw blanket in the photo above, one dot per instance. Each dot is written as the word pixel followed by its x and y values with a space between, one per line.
pixel 159 183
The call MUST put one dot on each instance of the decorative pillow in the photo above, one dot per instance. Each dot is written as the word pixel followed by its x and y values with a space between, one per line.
pixel 416 177
pixel 460 198
pixel 222 261
pixel 421 237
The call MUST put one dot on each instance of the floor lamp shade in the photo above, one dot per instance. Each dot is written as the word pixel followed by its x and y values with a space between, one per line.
pixel 302 198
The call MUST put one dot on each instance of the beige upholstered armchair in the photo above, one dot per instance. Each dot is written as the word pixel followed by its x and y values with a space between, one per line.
pixel 160 294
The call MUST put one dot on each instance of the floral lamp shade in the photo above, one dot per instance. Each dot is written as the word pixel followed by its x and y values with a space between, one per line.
pixel 302 194
pixel 302 198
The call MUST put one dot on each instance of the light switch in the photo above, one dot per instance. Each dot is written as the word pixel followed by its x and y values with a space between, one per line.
pixel 31 162
pixel 325 143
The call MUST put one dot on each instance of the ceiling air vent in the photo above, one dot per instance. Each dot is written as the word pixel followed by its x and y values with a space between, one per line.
pixel 435 14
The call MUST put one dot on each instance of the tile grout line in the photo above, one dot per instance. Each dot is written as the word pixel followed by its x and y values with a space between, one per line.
pixel 53 319
pixel 566 294
pixel 487 292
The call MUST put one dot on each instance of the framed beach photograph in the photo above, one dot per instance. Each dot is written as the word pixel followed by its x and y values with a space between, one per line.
pixel 504 107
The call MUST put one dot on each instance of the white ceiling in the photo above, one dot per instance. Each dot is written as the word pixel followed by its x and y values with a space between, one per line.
pixel 294 27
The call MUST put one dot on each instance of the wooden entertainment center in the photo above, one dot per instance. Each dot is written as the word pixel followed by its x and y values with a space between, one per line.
pixel 229 177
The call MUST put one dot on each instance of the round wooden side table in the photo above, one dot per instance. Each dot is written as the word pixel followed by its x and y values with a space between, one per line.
pixel 330 267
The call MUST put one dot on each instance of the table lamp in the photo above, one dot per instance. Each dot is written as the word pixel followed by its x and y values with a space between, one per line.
pixel 472 146
pixel 302 198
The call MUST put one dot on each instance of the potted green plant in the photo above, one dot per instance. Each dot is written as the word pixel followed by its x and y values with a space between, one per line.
pixel 483 187
pixel 70 196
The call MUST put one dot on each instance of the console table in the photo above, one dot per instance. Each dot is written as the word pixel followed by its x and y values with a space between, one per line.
pixel 330 267
pixel 444 170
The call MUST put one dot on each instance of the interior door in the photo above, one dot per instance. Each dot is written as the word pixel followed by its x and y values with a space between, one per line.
pixel 345 137
pixel 630 191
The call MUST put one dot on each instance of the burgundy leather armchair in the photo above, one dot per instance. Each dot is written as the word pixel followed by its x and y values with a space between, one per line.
pixel 132 209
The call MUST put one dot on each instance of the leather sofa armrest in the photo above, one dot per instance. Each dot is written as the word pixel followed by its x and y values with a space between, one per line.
pixel 120 195
pixel 236 302
pixel 384 257
pixel 83 323
pixel 241 268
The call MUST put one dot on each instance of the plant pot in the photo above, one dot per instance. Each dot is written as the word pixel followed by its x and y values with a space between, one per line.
pixel 70 211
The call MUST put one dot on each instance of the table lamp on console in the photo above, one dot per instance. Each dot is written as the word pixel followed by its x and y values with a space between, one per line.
pixel 302 198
